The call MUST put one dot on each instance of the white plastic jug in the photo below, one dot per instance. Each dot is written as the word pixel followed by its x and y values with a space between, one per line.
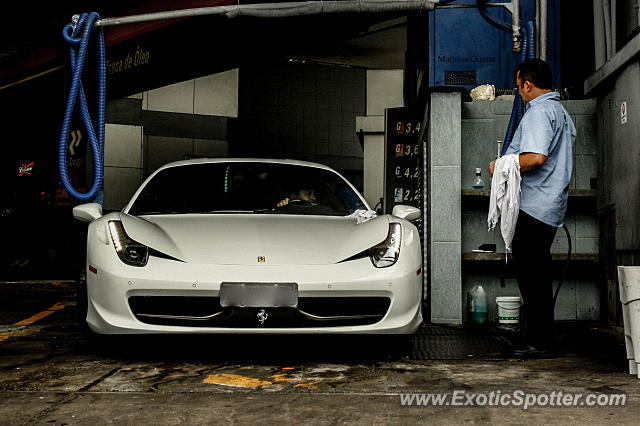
pixel 478 304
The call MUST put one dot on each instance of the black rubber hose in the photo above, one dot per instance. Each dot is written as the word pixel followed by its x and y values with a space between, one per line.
pixel 566 267
pixel 498 23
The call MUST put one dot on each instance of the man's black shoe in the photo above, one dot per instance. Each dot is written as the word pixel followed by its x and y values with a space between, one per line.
pixel 534 352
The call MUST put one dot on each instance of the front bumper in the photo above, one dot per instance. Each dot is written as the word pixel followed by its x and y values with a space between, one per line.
pixel 110 290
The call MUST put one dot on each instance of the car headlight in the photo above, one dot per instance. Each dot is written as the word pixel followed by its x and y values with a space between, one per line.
pixel 129 251
pixel 387 252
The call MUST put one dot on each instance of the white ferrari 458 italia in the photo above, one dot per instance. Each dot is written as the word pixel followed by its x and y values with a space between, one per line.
pixel 250 246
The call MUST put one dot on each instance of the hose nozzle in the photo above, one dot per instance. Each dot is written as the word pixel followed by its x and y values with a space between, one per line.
pixel 517 42
pixel 74 23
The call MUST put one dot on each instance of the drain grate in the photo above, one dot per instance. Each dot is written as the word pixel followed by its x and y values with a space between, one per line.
pixel 441 342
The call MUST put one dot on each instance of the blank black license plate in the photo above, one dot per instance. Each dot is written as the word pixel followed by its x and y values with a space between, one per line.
pixel 259 295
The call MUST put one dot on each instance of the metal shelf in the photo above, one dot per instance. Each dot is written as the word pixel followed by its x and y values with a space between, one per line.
pixel 487 193
pixel 584 257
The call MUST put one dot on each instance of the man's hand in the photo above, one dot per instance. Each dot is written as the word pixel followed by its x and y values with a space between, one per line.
pixel 492 166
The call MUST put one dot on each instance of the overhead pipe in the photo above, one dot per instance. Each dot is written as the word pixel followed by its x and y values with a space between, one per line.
pixel 282 10
pixel 608 33
pixel 515 24
pixel 542 27
pixel 598 31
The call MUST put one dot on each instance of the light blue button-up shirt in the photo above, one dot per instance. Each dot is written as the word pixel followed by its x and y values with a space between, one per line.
pixel 546 128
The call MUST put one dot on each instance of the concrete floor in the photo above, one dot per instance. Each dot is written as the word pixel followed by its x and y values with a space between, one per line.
pixel 49 375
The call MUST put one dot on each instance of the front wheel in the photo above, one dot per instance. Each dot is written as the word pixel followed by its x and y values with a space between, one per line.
pixel 82 306
pixel 399 345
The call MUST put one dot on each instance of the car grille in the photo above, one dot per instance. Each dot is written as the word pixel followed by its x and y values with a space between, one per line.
pixel 207 312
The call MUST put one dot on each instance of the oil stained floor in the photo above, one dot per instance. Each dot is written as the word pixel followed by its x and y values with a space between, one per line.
pixel 50 375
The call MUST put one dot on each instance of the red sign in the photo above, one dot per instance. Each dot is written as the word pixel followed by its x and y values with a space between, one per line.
pixel 25 169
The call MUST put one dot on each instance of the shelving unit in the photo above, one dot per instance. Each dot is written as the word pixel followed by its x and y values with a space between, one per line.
pixel 589 193
pixel 579 199
pixel 494 257
pixel 578 195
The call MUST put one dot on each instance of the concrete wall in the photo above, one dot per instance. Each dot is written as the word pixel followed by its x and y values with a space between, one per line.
pixel 304 111
pixel 619 192
pixel 123 150
pixel 289 110
pixel 384 90
pixel 444 219
pixel 215 94
pixel 150 129
pixel 620 150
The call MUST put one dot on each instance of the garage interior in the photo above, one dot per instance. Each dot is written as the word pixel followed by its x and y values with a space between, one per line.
pixel 317 88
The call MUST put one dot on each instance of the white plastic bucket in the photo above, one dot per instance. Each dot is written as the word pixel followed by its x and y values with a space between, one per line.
pixel 508 309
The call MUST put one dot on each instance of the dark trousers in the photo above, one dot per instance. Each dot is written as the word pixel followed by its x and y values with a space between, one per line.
pixel 532 260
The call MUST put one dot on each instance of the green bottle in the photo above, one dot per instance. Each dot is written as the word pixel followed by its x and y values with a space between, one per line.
pixel 478 304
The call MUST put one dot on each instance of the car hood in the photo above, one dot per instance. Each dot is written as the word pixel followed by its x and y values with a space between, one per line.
pixel 240 239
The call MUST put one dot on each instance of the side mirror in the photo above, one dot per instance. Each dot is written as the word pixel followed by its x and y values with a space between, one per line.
pixel 87 212
pixel 409 213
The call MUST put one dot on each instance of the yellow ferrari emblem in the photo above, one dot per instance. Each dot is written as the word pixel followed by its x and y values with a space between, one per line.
pixel 261 259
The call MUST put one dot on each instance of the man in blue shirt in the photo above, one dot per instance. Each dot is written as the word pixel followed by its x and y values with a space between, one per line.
pixel 544 142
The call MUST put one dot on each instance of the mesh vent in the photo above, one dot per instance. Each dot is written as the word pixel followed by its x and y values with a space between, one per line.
pixel 457 78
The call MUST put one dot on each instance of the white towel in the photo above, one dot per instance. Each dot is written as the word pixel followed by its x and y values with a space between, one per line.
pixel 504 203
pixel 363 215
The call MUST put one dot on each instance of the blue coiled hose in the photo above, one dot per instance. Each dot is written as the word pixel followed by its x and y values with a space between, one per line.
pixel 531 49
pixel 78 48
pixel 528 52
pixel 518 105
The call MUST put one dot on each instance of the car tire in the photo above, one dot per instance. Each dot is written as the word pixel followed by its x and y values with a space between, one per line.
pixel 82 305
pixel 399 345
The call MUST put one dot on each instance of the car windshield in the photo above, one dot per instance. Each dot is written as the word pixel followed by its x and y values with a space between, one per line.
pixel 250 187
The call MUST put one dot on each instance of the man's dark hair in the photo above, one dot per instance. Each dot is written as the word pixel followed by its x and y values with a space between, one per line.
pixel 537 72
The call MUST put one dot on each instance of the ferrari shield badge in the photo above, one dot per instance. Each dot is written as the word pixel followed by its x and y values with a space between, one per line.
pixel 262 316
pixel 261 259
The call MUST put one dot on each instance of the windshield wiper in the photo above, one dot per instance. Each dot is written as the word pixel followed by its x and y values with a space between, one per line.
pixel 157 212
pixel 267 211
pixel 256 211
pixel 226 211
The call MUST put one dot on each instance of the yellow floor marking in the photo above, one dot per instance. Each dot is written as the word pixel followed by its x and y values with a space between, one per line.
pixel 34 318
pixel 309 385
pixel 235 380
pixel 286 377
pixel 31 77
pixel 42 314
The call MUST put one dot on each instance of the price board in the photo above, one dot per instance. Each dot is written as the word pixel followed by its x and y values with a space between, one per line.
pixel 403 155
